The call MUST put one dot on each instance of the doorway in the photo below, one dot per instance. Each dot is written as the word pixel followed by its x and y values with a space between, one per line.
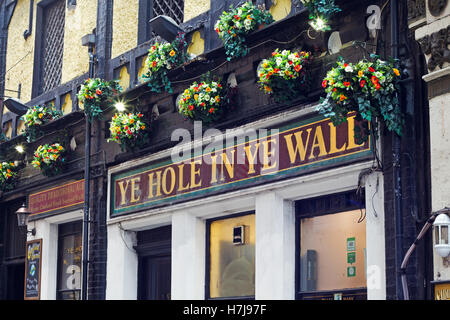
pixel 154 269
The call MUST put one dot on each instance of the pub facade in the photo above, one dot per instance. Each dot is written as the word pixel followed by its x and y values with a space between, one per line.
pixel 272 200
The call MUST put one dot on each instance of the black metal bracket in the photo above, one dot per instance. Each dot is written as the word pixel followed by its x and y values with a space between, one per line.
pixel 28 32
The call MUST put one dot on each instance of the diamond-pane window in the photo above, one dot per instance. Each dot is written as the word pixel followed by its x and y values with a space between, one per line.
pixel 171 8
pixel 52 45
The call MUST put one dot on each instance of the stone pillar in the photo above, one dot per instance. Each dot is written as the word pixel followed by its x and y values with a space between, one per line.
pixel 122 266
pixel 434 40
pixel 275 248
pixel 188 257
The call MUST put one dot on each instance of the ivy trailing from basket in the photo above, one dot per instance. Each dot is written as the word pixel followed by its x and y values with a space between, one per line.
pixel 130 130
pixel 50 159
pixel 233 26
pixel 163 57
pixel 284 74
pixel 9 173
pixel 320 12
pixel 96 95
pixel 36 117
pixel 207 100
pixel 370 88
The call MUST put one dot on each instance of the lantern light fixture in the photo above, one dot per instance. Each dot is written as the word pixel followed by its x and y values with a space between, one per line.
pixel 22 219
pixel 441 235
pixel 20 149
pixel 120 106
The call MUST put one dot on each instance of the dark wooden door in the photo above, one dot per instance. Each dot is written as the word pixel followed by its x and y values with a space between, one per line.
pixel 156 278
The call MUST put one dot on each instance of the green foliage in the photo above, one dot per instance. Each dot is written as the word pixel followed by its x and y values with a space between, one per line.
pixel 233 26
pixel 51 159
pixel 163 57
pixel 97 95
pixel 206 101
pixel 321 10
pixel 284 75
pixel 370 88
pixel 9 174
pixel 130 130
pixel 36 117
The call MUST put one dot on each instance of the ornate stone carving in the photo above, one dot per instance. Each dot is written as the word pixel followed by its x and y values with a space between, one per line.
pixel 436 45
pixel 436 6
pixel 416 9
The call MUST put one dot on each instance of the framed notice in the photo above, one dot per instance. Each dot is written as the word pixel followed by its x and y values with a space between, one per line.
pixel 32 289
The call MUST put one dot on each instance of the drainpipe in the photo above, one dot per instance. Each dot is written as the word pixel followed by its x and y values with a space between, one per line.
pixel 396 149
pixel 87 176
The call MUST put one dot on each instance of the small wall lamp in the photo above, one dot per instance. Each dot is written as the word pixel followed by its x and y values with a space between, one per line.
pixel 22 219
pixel 441 235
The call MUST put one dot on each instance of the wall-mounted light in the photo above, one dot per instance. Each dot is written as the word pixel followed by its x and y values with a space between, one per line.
pixel 22 219
pixel 441 235
pixel 20 149
pixel 120 106
pixel 319 24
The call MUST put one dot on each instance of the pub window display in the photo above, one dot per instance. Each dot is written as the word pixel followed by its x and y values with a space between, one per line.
pixel 231 262
pixel 333 252
pixel 69 261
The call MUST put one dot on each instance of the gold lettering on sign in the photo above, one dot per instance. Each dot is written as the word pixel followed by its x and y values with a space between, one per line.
pixel 154 185
pixel 269 154
pixel 123 191
pixel 135 188
pixel 181 174
pixel 318 142
pixel 251 157
pixel 195 173
pixel 300 147
pixel 166 190
pixel 333 140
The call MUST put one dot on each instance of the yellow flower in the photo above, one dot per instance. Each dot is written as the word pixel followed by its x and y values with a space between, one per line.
pixel 143 127
pixel 196 97
pixel 208 89
pixel 360 73
pixel 397 73
pixel 217 98
pixel 60 148
pixel 41 115
pixel 172 53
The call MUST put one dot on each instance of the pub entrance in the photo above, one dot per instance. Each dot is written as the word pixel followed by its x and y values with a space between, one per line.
pixel 154 268
pixel 12 252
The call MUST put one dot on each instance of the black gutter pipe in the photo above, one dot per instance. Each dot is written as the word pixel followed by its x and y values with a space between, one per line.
pixel 87 178
pixel 397 170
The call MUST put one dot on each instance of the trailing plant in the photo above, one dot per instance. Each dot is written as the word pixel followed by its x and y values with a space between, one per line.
pixel 36 117
pixel 284 75
pixel 233 26
pixel 8 176
pixel 3 138
pixel 206 101
pixel 51 159
pixel 130 130
pixel 370 88
pixel 97 95
pixel 162 57
pixel 320 12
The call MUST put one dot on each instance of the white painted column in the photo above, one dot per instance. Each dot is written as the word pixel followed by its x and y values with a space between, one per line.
pixel 122 265
pixel 49 234
pixel 188 257
pixel 275 248
pixel 375 237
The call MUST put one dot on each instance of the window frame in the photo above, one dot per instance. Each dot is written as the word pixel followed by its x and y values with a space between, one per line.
pixel 208 256
pixel 347 206
pixel 74 231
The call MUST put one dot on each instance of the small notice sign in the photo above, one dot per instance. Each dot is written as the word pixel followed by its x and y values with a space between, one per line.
pixel 351 272
pixel 351 244
pixel 32 290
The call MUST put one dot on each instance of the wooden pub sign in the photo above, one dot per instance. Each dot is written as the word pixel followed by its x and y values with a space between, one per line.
pixel 289 151
pixel 32 286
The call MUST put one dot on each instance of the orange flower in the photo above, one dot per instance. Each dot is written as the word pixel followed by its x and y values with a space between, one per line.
pixel 343 97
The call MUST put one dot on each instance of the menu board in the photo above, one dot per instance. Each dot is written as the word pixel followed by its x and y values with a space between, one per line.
pixel 32 290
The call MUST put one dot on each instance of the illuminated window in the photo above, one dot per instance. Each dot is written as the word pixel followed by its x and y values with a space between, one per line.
pixel 232 257
pixel 69 261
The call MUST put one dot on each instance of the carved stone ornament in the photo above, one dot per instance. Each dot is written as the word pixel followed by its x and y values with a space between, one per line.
pixel 437 6
pixel 436 45
pixel 416 9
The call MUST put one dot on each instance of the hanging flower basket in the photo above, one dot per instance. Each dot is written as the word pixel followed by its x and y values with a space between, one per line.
pixel 205 101
pixel 8 176
pixel 97 95
pixel 233 26
pixel 368 88
pixel 320 12
pixel 284 75
pixel 130 130
pixel 50 159
pixel 36 117
pixel 162 57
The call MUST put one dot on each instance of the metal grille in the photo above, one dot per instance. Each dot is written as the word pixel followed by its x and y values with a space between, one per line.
pixel 52 45
pixel 171 8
